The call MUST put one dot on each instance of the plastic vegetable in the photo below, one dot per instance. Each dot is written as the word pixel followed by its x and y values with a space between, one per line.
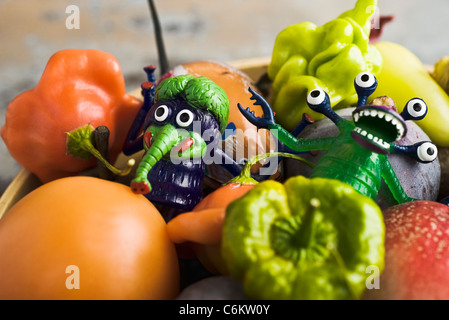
pixel 202 227
pixel 77 88
pixel 183 118
pixel 306 57
pixel 86 238
pixel 403 76
pixel 305 239
pixel 358 154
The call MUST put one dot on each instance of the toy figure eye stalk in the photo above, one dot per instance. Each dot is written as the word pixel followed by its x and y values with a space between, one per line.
pixel 416 109
pixel 317 98
pixel 184 118
pixel 427 152
pixel 365 84
pixel 365 80
pixel 161 113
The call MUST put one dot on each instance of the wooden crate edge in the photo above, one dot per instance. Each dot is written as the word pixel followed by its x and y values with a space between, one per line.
pixel 23 183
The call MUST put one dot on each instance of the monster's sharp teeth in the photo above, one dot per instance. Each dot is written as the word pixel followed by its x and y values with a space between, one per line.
pixel 388 117
pixel 380 115
pixel 395 122
pixel 376 139
pixel 401 131
pixel 373 113
pixel 370 136
pixel 356 117
pixel 364 133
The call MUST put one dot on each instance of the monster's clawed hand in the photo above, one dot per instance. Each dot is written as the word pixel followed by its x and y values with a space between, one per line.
pixel 267 121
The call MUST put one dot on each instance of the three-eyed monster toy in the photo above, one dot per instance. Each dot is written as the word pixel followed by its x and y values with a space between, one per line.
pixel 358 154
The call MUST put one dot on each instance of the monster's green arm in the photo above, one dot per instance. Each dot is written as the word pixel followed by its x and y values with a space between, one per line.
pixel 268 122
pixel 393 183
pixel 298 144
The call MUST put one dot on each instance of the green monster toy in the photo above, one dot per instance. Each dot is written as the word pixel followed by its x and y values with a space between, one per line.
pixel 358 154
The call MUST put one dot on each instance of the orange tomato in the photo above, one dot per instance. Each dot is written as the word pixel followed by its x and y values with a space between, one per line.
pixel 201 228
pixel 86 238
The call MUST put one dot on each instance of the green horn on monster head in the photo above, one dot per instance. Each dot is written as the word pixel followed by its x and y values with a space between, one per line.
pixel 198 92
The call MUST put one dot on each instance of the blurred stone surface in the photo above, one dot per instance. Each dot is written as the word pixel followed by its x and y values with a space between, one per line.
pixel 31 31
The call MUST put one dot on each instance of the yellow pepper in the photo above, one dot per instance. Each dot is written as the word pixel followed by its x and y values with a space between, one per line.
pixel 403 77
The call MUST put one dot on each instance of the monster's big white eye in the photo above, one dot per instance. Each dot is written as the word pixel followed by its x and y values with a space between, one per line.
pixel 184 118
pixel 161 113
pixel 316 97
pixel 416 108
pixel 365 80
pixel 427 152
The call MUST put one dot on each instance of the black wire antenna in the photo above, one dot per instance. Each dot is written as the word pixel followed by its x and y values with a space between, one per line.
pixel 162 56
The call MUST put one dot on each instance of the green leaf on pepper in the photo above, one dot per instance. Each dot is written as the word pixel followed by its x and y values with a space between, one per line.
pixel 306 57
pixel 305 239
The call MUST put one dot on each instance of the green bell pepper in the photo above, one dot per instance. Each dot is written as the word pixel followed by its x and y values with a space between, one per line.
pixel 305 239
pixel 307 57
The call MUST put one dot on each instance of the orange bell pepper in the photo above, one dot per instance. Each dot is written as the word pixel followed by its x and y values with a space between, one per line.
pixel 77 88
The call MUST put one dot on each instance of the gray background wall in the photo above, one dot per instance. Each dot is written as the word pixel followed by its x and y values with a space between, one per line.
pixel 224 30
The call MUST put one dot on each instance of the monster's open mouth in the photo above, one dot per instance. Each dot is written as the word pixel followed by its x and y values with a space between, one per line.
pixel 377 126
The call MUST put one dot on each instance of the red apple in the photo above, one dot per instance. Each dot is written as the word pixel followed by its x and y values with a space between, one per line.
pixel 416 253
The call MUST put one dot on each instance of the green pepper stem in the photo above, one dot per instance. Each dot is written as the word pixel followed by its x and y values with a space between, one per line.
pixel 306 231
pixel 245 175
pixel 80 145
pixel 88 146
